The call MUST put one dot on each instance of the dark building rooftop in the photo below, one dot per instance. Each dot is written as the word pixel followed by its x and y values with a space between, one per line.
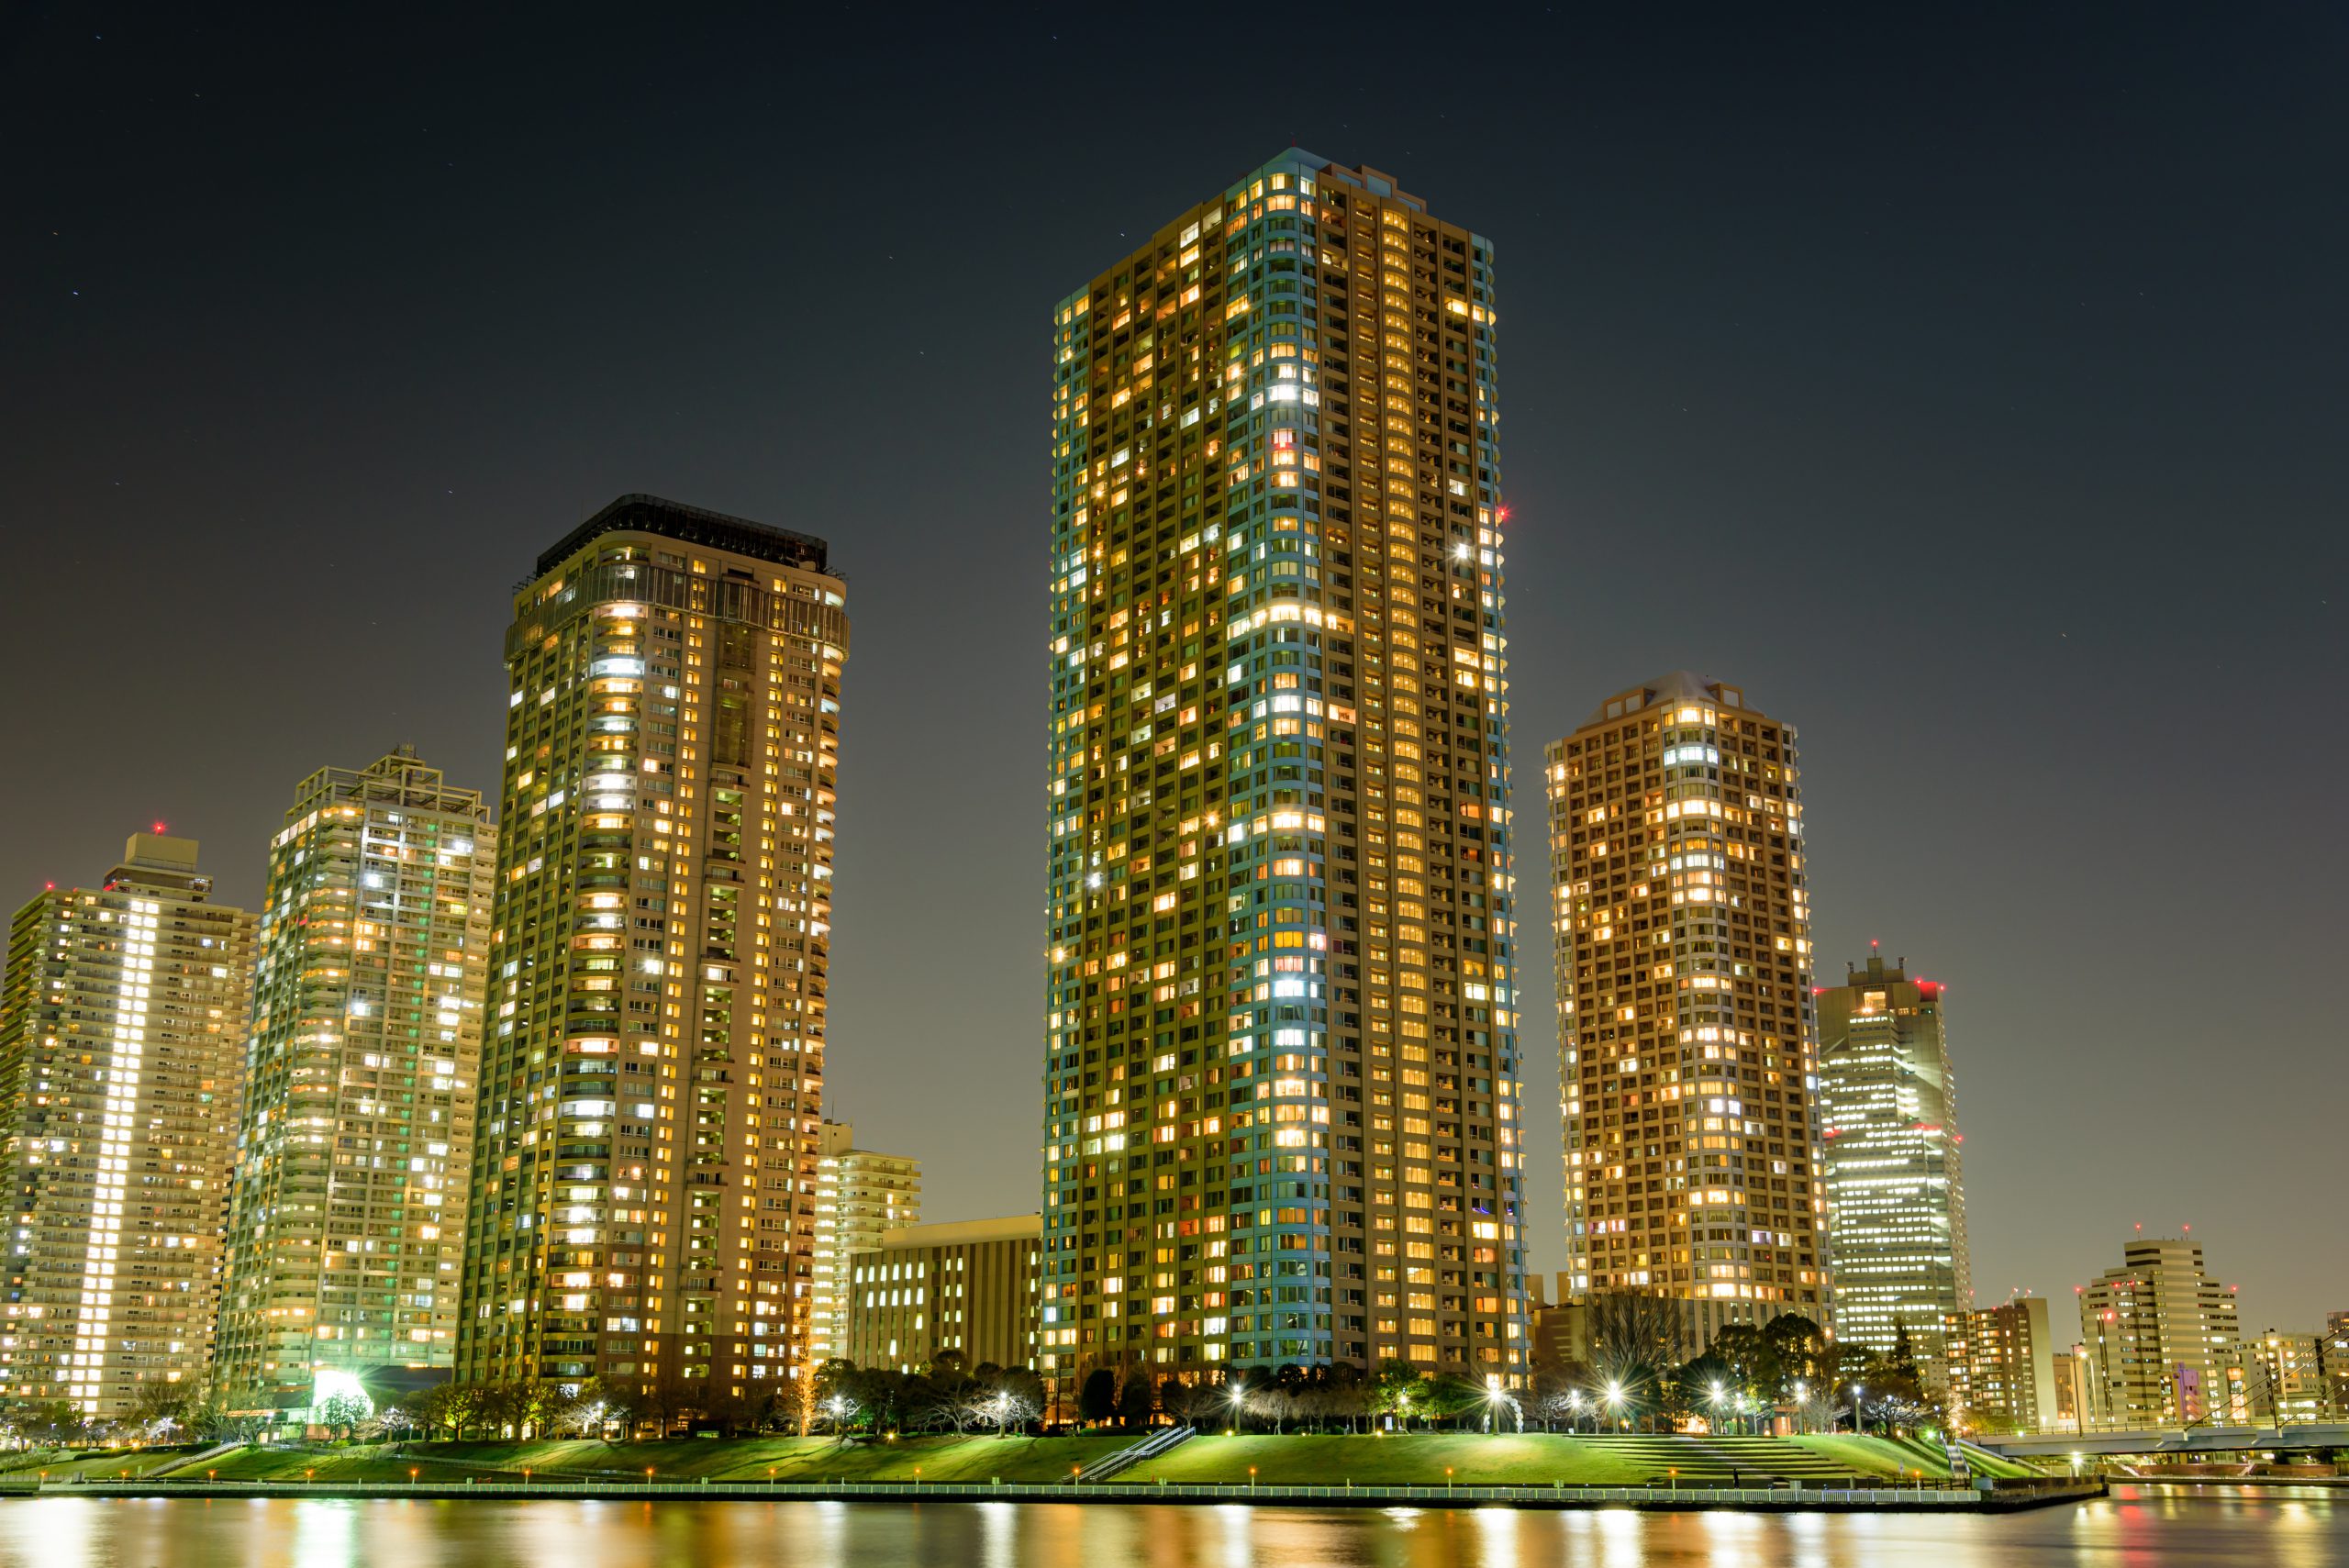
pixel 690 525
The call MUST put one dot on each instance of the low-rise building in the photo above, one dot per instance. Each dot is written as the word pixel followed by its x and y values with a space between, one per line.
pixel 2278 1380
pixel 967 1286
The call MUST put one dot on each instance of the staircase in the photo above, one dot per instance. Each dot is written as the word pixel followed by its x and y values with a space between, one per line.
pixel 1151 1446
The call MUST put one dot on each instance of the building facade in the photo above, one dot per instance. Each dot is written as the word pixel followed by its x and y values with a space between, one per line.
pixel 1687 1042
pixel 1281 1113
pixel 2335 1350
pixel 2277 1379
pixel 2071 1389
pixel 121 1027
pixel 1998 1364
pixel 644 1164
pixel 354 1144
pixel 968 1287
pixel 860 1195
pixel 1896 1187
pixel 2155 1335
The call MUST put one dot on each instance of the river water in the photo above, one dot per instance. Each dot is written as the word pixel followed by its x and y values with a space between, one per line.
pixel 2136 1527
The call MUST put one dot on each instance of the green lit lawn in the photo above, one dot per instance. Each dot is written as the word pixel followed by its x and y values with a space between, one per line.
pixel 747 1459
pixel 98 1465
pixel 1531 1459
pixel 1417 1459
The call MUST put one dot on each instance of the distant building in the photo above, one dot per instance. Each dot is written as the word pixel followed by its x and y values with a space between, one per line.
pixel 2277 1379
pixel 354 1146
pixel 2336 1363
pixel 2071 1392
pixel 2000 1367
pixel 1687 1048
pixel 1896 1191
pixel 861 1195
pixel 2156 1333
pixel 966 1286
pixel 122 1023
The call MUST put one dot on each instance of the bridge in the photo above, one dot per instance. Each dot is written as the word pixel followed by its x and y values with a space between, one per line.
pixel 2172 1440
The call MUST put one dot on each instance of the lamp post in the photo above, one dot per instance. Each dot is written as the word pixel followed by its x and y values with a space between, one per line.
pixel 1239 1404
pixel 1615 1402
pixel 1859 1421
pixel 1574 1409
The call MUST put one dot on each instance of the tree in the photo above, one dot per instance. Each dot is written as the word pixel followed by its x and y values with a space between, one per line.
pixel 1096 1398
pixel 1015 1398
pixel 160 1405
pixel 1797 1354
pixel 1136 1399
pixel 1636 1342
pixel 1395 1391
pixel 1751 1363
pixel 1179 1401
pixel 1708 1386
pixel 341 1414
pixel 1898 1372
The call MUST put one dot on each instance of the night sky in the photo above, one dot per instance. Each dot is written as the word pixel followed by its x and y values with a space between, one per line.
pixel 1973 392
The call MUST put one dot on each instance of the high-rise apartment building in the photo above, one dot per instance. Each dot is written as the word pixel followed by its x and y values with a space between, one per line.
pixel 1999 1365
pixel 121 1027
pixel 2156 1334
pixel 1281 1115
pixel 644 1163
pixel 1687 1043
pixel 860 1195
pixel 968 1286
pixel 1896 1189
pixel 354 1145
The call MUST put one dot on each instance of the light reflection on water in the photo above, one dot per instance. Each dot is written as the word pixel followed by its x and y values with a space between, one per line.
pixel 2140 1527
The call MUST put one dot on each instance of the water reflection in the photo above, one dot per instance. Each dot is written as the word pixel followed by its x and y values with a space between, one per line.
pixel 2138 1527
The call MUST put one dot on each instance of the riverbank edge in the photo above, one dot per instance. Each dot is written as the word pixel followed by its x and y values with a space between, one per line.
pixel 1680 1499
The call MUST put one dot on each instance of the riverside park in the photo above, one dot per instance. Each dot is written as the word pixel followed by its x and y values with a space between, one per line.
pixel 1542 1469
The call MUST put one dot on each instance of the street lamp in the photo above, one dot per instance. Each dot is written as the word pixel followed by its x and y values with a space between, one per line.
pixel 1573 1407
pixel 1239 1402
pixel 1716 1402
pixel 1615 1400
pixel 1859 1422
pixel 1494 1397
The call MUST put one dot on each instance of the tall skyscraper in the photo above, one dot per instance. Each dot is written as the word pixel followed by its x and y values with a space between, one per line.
pixel 644 1165
pixel 860 1195
pixel 1281 1079
pixel 354 1145
pixel 1896 1189
pixel 1688 1044
pixel 122 1028
pixel 2155 1335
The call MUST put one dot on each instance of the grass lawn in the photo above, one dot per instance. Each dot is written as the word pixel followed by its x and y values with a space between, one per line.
pixel 747 1459
pixel 1533 1458
pixel 104 1465
pixel 1416 1459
